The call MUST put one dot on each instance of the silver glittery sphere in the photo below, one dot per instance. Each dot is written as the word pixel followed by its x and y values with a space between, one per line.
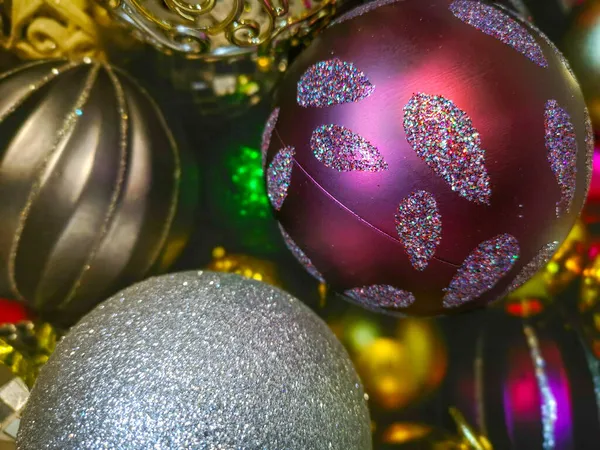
pixel 198 360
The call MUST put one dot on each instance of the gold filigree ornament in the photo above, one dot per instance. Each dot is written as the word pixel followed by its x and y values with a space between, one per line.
pixel 216 29
pixel 224 55
pixel 40 29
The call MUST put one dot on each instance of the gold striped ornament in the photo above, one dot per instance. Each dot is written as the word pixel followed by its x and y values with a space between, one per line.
pixel 93 193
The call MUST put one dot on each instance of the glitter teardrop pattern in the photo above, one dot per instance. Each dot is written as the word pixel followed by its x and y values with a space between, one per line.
pixel 267 134
pixel 419 225
pixel 482 269
pixel 561 145
pixel 539 261
pixel 300 256
pixel 340 149
pixel 332 82
pixel 494 22
pixel 589 154
pixel 444 137
pixel 279 175
pixel 381 296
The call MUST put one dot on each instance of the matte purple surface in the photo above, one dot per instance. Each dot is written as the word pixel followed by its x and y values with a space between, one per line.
pixel 344 221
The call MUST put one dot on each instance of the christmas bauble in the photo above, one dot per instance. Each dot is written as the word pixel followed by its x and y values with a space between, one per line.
pixel 399 361
pixel 198 360
pixel 528 384
pixel 427 157
pixel 579 44
pixel 94 192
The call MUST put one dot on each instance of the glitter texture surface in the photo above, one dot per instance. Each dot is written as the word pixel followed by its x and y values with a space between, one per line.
pixel 482 269
pixel 444 137
pixel 267 133
pixel 419 226
pixel 589 152
pixel 340 149
pixel 494 22
pixel 333 82
pixel 561 144
pixel 198 361
pixel 279 175
pixel 300 256
pixel 539 261
pixel 381 296
pixel 363 9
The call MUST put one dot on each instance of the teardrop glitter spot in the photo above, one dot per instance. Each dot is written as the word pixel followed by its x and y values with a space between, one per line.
pixel 300 256
pixel 561 145
pixel 381 296
pixel 589 155
pixel 444 137
pixel 494 22
pixel 419 225
pixel 267 134
pixel 340 149
pixel 482 269
pixel 540 260
pixel 333 82
pixel 279 175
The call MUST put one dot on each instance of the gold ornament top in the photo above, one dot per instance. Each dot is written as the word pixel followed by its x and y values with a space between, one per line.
pixel 41 29
pixel 217 29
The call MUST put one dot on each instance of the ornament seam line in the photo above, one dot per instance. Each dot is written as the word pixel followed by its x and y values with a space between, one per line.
pixel 360 218
pixel 68 125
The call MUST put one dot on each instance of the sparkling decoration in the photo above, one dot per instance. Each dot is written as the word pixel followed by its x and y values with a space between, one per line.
pixel 279 175
pixel 589 156
pixel 362 9
pixel 79 226
pixel 444 137
pixel 340 149
pixel 419 226
pixel 381 296
pixel 494 22
pixel 300 256
pixel 220 30
pixel 540 260
pixel 246 366
pixel 333 82
pixel 561 143
pixel 449 123
pixel 482 269
pixel 267 134
pixel 555 49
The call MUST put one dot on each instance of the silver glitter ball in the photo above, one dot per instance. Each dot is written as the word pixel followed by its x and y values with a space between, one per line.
pixel 198 360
